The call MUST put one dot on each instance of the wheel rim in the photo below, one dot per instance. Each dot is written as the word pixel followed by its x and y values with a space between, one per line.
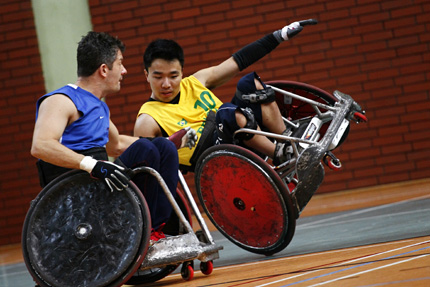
pixel 243 201
pixel 78 233
pixel 298 109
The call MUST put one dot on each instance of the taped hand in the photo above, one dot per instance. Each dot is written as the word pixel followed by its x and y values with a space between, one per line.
pixel 186 137
pixel 294 28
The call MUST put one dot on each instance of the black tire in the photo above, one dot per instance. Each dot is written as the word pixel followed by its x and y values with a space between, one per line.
pixel 79 233
pixel 245 199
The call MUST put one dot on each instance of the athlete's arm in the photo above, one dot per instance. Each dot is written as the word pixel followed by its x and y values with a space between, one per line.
pixel 117 143
pixel 55 113
pixel 216 76
pixel 146 126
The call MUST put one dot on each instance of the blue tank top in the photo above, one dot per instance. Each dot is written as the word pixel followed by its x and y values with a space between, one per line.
pixel 92 128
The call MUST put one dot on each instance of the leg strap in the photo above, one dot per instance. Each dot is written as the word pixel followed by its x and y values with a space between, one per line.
pixel 263 96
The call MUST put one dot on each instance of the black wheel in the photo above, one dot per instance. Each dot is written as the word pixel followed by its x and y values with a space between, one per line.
pixel 79 233
pixel 295 109
pixel 173 227
pixel 245 199
pixel 146 276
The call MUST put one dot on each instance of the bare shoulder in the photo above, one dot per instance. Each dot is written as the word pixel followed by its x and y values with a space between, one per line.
pixel 202 75
pixel 58 105
pixel 218 75
pixel 56 112
pixel 57 99
pixel 146 126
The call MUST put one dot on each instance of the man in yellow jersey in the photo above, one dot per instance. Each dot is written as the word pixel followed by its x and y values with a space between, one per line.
pixel 178 102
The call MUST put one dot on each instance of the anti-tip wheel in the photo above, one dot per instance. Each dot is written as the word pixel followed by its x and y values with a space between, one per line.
pixel 187 271
pixel 207 267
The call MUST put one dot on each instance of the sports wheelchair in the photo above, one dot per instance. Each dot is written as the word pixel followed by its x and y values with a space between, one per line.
pixel 254 203
pixel 78 233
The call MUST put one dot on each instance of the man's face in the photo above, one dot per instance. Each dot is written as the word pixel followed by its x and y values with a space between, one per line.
pixel 115 75
pixel 164 77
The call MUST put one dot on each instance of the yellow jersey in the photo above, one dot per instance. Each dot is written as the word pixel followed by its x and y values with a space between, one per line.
pixel 194 104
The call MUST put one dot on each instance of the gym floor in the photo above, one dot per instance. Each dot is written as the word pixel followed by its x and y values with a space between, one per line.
pixel 368 237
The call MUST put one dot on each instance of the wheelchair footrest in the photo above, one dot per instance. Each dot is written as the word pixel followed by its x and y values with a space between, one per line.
pixel 178 249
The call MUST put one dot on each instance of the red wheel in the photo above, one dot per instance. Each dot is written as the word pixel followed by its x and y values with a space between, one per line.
pixel 187 272
pixel 360 117
pixel 332 163
pixel 245 199
pixel 207 267
pixel 296 109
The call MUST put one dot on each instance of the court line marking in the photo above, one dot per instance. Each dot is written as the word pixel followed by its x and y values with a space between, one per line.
pixel 294 257
pixel 326 223
pixel 398 282
pixel 313 254
pixel 346 262
pixel 369 270
pixel 365 210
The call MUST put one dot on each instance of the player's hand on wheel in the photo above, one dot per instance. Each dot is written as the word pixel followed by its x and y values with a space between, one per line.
pixel 115 176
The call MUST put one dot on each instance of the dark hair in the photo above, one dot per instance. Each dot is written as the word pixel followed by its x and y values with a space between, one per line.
pixel 95 49
pixel 164 49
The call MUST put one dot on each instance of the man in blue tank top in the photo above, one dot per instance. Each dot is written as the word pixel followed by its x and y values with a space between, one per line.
pixel 73 130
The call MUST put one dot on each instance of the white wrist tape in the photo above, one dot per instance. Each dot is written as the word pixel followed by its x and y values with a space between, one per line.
pixel 87 164
pixel 292 26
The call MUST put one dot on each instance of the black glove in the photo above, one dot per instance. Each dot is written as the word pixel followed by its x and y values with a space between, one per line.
pixel 114 175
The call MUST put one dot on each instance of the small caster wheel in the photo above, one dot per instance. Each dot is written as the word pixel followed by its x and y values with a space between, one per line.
pixel 360 118
pixel 207 267
pixel 332 163
pixel 187 271
pixel 335 165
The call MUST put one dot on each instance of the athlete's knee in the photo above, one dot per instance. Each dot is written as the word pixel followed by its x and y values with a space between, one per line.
pixel 165 146
pixel 168 153
pixel 146 150
pixel 141 152
pixel 251 89
pixel 245 119
pixel 231 118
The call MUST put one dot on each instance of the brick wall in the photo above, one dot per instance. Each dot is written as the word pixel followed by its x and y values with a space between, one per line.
pixel 21 83
pixel 376 51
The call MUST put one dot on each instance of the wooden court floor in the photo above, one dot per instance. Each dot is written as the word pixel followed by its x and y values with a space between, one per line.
pixel 403 262
pixel 399 263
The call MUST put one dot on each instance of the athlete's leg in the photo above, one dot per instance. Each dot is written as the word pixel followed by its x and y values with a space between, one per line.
pixel 161 155
pixel 252 93
pixel 169 167
pixel 230 118
pixel 265 108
